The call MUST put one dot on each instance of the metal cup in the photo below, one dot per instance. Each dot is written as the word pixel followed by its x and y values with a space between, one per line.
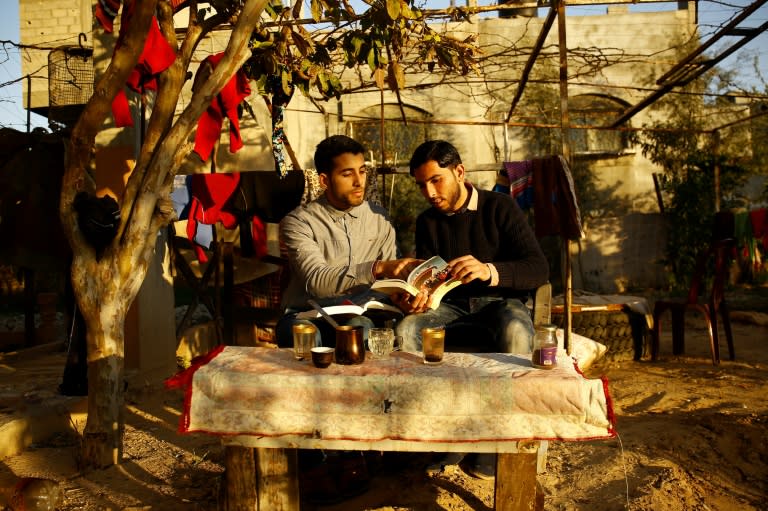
pixel 350 348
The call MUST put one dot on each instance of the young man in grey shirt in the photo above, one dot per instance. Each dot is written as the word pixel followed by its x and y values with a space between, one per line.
pixel 338 244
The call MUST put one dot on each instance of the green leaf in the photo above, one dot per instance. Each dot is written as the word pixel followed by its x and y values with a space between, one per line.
pixel 373 59
pixel 322 82
pixel 286 82
pixel 317 10
pixel 261 84
pixel 393 9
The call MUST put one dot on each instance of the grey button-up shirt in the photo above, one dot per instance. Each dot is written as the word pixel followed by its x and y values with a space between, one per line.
pixel 331 252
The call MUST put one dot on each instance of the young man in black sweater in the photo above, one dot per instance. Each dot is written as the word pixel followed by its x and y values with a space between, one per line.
pixel 489 245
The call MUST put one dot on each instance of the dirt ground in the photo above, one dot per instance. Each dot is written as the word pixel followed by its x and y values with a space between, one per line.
pixel 692 436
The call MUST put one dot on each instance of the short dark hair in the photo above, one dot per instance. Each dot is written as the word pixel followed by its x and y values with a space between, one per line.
pixel 439 151
pixel 332 147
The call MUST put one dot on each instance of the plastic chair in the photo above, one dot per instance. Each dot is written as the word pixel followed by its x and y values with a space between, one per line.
pixel 715 302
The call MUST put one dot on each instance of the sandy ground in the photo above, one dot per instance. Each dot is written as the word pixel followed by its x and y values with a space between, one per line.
pixel 692 436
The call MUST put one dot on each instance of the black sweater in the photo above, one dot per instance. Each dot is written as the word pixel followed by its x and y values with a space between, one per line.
pixel 498 232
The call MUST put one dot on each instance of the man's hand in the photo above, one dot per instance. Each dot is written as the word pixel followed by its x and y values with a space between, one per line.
pixel 467 268
pixel 396 268
pixel 411 304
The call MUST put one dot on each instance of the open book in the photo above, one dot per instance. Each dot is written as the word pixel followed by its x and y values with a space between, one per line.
pixel 432 276
pixel 371 307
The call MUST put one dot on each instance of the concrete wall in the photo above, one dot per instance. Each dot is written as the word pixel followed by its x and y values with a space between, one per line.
pixel 48 24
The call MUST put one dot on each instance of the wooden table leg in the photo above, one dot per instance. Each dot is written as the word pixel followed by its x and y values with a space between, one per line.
pixel 238 491
pixel 277 480
pixel 516 487
pixel 260 480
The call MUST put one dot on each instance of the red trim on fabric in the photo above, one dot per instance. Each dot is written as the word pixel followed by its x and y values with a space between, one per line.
pixel 611 434
pixel 183 379
pixel 608 400
pixel 609 406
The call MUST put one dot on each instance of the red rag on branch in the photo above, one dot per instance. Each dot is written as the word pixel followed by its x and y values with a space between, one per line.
pixel 155 58
pixel 210 193
pixel 106 11
pixel 223 105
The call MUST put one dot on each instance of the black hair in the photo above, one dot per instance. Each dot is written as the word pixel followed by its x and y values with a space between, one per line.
pixel 332 147
pixel 440 151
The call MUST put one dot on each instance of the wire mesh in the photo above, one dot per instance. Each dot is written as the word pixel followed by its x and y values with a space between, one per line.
pixel 70 76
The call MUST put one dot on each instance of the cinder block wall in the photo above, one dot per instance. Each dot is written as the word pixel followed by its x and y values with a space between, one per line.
pixel 49 24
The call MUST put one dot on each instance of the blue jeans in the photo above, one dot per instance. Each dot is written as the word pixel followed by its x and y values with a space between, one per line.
pixel 497 325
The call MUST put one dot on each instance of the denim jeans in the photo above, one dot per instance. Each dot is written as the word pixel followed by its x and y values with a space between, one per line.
pixel 505 323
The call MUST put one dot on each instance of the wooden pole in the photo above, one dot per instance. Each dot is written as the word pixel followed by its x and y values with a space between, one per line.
pixel 566 143
pixel 716 170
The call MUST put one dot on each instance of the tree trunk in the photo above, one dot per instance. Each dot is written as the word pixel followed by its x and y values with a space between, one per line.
pixel 103 435
pixel 104 294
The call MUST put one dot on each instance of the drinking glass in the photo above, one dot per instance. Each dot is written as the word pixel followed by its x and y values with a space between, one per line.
pixel 304 335
pixel 381 341
pixel 433 344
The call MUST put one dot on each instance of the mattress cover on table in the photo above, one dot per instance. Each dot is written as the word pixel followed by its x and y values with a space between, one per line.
pixel 471 397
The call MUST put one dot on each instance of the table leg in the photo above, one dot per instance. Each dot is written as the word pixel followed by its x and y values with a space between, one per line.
pixel 238 491
pixel 516 487
pixel 277 479
pixel 260 480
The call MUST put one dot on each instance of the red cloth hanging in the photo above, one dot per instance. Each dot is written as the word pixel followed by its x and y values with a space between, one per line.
pixel 156 56
pixel 210 203
pixel 223 105
pixel 555 207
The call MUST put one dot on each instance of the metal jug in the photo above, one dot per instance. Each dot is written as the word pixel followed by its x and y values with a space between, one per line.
pixel 350 348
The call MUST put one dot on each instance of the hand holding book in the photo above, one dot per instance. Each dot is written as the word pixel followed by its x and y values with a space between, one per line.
pixel 432 278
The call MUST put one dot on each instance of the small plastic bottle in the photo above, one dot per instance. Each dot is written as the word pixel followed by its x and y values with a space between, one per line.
pixel 545 347
pixel 32 494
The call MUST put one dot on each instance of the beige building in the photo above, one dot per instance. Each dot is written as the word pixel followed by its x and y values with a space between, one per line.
pixel 612 57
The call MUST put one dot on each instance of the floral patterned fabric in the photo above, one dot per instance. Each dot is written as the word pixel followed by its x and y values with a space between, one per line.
pixel 487 397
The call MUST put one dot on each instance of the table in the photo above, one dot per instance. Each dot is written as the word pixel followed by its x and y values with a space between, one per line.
pixel 474 402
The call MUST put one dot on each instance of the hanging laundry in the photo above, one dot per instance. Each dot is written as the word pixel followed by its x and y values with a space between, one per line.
pixel 520 175
pixel 106 11
pixel 181 196
pixel 546 185
pixel 225 104
pixel 209 201
pixel 555 209
pixel 156 56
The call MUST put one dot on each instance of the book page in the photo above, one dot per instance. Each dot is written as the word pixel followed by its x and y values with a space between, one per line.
pixel 429 274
